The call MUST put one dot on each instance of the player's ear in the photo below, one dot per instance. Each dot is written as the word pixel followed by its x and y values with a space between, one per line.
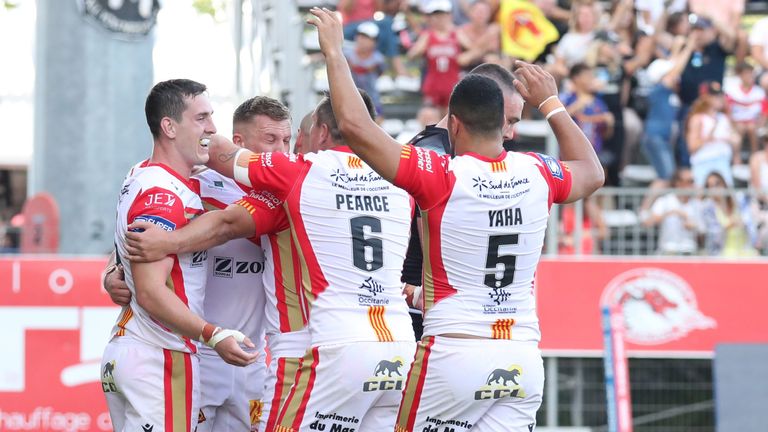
pixel 237 139
pixel 454 124
pixel 168 126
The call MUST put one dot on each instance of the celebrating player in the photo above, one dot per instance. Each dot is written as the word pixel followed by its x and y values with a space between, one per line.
pixel 484 214
pixel 149 373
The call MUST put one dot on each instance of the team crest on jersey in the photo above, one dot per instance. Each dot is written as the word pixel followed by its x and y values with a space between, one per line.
pixel 387 375
pixel 553 165
pixel 107 377
pixel 354 162
pixel 502 383
pixel 161 222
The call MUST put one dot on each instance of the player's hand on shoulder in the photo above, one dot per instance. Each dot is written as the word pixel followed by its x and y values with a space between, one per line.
pixel 533 83
pixel 114 284
pixel 329 30
pixel 146 242
pixel 231 352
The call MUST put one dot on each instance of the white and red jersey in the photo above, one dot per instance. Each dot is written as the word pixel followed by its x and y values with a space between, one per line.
pixel 351 228
pixel 745 104
pixel 157 194
pixel 234 292
pixel 483 230
pixel 286 310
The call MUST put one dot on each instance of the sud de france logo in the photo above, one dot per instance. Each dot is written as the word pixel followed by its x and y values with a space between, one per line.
pixel 658 306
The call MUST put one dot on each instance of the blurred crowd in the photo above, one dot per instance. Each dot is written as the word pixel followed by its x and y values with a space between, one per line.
pixel 677 84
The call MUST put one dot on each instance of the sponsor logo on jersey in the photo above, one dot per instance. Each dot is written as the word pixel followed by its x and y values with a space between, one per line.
pixel 359 181
pixel 553 165
pixel 222 266
pixel 157 220
pixel 218 184
pixel 502 383
pixel 658 306
pixel 107 377
pixel 423 161
pixel 228 266
pixel 374 288
pixel 449 425
pixel 198 258
pixel 160 199
pixel 255 408
pixel 265 197
pixel 387 375
pixel 331 422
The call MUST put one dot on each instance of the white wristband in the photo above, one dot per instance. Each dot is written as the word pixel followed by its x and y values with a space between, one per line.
pixel 417 290
pixel 222 334
pixel 240 172
pixel 547 100
pixel 555 111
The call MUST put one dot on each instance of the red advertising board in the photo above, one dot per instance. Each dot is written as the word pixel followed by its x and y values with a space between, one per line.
pixel 56 321
pixel 670 308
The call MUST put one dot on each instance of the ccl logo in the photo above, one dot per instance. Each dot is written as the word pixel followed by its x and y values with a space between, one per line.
pixel 502 383
pixel 383 378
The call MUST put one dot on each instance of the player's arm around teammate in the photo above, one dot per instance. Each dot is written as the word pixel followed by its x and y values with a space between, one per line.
pixel 382 152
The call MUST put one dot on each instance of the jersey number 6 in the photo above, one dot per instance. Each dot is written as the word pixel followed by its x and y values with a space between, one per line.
pixel 367 252
pixel 493 259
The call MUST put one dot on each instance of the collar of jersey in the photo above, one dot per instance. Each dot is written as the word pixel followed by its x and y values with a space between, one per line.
pixel 170 170
pixel 499 158
pixel 342 148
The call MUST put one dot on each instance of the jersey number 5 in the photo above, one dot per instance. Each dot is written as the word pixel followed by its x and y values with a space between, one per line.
pixel 367 252
pixel 493 261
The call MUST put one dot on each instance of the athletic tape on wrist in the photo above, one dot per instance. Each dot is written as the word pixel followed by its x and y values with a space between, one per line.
pixel 241 172
pixel 554 111
pixel 416 295
pixel 223 334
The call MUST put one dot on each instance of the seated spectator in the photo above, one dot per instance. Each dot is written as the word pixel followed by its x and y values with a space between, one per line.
pixel 355 12
pixel 710 136
pixel 366 63
pixel 677 215
pixel 593 227
pixel 570 50
pixel 746 106
pixel 586 108
pixel 441 46
pixel 662 111
pixel 758 182
pixel 483 34
pixel 724 215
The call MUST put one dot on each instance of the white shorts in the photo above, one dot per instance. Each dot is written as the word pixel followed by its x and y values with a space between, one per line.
pixel 149 388
pixel 278 384
pixel 348 386
pixel 482 384
pixel 230 396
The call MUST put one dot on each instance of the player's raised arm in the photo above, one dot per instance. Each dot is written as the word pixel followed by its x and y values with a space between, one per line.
pixel 222 153
pixel 363 135
pixel 538 88
pixel 146 242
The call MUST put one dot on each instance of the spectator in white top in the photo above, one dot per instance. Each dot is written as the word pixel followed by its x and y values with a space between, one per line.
pixel 650 11
pixel 746 105
pixel 677 215
pixel 758 48
pixel 571 49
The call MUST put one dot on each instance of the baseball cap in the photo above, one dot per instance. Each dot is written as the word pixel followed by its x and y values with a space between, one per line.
pixel 658 69
pixel 437 6
pixel 369 29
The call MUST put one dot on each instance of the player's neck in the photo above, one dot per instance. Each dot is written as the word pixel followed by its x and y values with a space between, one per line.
pixel 490 147
pixel 163 153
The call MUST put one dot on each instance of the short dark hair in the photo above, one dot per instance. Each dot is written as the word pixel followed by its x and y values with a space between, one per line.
pixel 479 103
pixel 261 105
pixel 324 112
pixel 167 99
pixel 503 77
pixel 578 69
pixel 743 66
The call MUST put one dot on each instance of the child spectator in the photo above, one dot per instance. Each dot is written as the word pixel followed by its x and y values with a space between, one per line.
pixel 677 215
pixel 366 63
pixel 710 136
pixel 746 105
pixel 355 12
pixel 441 46
pixel 586 108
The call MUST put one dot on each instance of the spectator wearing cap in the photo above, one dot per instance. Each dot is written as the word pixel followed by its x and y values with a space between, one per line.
pixel 354 12
pixel 585 18
pixel 746 105
pixel 365 62
pixel 441 45
pixel 663 104
pixel 710 136
pixel 713 42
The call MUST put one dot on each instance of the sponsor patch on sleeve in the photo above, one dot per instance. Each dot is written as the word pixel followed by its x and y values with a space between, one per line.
pixel 553 165
pixel 157 220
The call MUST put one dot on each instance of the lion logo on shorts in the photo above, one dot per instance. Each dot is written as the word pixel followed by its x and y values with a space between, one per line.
pixel 108 369
pixel 503 374
pixel 388 367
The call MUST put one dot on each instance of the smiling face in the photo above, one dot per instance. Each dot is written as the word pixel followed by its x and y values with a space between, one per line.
pixel 263 134
pixel 193 131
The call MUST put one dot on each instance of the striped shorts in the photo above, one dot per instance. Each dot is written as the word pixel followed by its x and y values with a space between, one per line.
pixel 355 386
pixel 149 388
pixel 478 384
